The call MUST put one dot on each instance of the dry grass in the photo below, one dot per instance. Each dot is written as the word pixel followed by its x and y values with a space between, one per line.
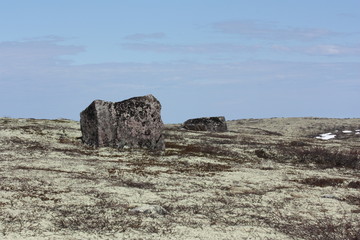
pixel 322 182
pixel 324 227
pixel 325 157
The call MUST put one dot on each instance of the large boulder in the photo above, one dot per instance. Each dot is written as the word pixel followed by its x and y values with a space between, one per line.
pixel 134 123
pixel 212 124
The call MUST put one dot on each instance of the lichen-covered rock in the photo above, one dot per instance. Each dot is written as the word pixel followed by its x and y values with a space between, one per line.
pixel 212 124
pixel 134 123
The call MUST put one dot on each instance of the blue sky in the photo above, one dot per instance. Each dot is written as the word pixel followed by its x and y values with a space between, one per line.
pixel 239 59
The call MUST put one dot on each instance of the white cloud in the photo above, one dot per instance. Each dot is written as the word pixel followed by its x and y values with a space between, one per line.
pixel 334 50
pixel 145 36
pixel 205 48
pixel 36 49
pixel 34 55
pixel 256 29
pixel 63 89
pixel 38 60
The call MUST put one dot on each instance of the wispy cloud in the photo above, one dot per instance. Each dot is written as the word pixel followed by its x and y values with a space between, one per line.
pixel 333 50
pixel 182 73
pixel 30 52
pixel 145 36
pixel 39 60
pixel 256 29
pixel 205 48
pixel 63 89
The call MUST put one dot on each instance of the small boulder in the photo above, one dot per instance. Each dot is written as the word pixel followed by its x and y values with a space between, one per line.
pixel 212 124
pixel 134 123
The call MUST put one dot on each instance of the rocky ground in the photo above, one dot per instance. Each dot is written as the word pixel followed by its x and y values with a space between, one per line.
pixel 263 179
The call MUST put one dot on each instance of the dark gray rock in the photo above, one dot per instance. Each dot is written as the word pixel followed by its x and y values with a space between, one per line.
pixel 134 123
pixel 212 124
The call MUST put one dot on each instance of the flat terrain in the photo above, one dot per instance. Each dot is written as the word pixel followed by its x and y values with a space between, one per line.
pixel 263 179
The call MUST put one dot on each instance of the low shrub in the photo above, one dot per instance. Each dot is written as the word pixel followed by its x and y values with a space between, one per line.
pixel 322 156
pixel 322 182
pixel 326 227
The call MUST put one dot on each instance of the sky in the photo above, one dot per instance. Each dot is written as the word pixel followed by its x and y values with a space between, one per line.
pixel 233 58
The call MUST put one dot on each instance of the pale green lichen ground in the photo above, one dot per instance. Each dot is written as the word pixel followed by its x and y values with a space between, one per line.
pixel 247 183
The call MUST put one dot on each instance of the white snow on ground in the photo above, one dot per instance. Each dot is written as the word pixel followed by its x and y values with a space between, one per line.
pixel 347 131
pixel 326 136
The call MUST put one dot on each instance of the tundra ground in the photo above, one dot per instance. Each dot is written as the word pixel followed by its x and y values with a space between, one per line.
pixel 263 179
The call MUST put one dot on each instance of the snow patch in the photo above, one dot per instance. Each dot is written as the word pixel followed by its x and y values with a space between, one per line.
pixel 347 131
pixel 326 136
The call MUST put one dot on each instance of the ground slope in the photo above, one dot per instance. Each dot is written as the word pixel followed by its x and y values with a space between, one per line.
pixel 264 179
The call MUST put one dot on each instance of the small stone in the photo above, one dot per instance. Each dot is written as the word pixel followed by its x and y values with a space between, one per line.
pixel 150 209
pixel 211 124
pixel 331 196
